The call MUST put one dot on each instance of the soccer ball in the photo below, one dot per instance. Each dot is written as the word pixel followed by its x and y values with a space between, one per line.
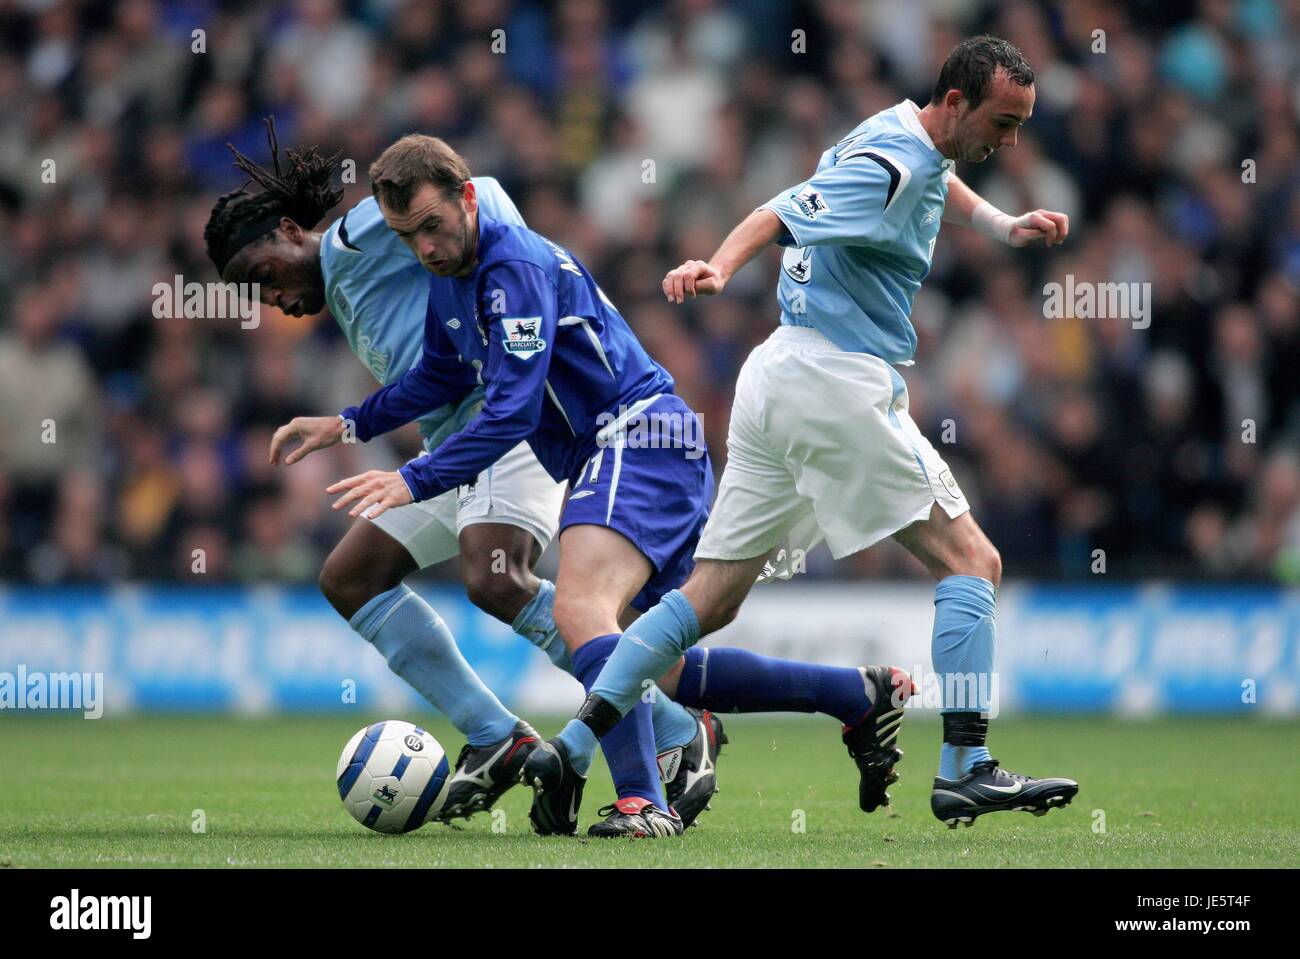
pixel 390 775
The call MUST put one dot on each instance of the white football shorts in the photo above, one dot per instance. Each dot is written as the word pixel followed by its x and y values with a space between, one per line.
pixel 821 446
pixel 514 490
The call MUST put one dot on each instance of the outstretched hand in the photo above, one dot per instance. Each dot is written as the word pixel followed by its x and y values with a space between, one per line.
pixel 315 432
pixel 374 492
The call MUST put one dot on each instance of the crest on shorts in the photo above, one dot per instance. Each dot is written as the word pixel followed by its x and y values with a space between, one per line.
pixel 809 202
pixel 522 337
pixel 950 483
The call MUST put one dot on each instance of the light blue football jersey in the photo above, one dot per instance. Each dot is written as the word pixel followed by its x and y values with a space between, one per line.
pixel 379 295
pixel 862 234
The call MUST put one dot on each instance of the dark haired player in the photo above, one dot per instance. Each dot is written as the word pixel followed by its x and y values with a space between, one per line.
pixel 512 311
pixel 820 439
pixel 377 290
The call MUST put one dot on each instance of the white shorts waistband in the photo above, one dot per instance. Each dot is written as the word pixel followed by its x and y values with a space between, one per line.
pixel 804 337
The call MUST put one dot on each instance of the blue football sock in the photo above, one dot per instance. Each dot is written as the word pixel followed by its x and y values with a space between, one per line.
pixel 536 623
pixel 420 648
pixel 962 650
pixel 729 680
pixel 651 646
pixel 629 747
pixel 673 725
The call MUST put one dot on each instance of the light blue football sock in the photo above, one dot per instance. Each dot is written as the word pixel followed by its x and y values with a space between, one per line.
pixel 536 623
pixel 579 744
pixel 420 648
pixel 673 725
pixel 647 650
pixel 629 745
pixel 962 649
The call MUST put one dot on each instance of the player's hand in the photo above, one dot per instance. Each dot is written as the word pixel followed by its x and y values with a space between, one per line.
pixel 1051 228
pixel 373 492
pixel 315 432
pixel 692 278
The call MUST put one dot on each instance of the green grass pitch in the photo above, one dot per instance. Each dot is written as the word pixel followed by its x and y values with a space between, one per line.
pixel 1185 792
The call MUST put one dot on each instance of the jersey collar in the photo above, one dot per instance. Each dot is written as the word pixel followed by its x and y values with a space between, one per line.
pixel 908 114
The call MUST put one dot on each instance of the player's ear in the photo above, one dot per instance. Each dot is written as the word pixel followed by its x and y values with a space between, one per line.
pixel 291 230
pixel 469 196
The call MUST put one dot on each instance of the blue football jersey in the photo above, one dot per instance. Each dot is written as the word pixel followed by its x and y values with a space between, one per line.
pixel 378 293
pixel 532 327
pixel 861 234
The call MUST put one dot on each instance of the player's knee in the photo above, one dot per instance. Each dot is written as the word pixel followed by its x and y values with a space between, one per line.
pixel 717 615
pixel 984 560
pixel 499 593
pixel 348 588
pixel 579 621
pixel 994 564
pixel 341 593
pixel 569 620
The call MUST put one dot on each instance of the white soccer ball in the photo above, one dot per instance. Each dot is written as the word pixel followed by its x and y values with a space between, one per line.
pixel 390 775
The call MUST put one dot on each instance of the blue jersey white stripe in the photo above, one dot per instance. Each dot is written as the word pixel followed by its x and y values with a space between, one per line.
pixel 378 293
pixel 532 325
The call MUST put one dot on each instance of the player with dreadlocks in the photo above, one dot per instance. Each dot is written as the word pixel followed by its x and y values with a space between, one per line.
pixel 512 311
pixel 376 290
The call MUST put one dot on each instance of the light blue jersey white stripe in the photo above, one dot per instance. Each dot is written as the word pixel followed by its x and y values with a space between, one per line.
pixel 861 235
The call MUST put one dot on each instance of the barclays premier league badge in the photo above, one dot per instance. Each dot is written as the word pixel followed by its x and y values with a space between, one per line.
pixel 522 337
pixel 810 203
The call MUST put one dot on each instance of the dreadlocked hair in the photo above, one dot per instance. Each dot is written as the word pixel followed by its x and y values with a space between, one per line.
pixel 300 189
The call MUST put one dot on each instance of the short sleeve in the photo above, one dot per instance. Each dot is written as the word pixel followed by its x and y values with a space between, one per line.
pixel 862 199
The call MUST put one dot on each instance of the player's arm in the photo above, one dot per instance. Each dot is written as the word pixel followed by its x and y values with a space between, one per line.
pixel 862 199
pixel 511 409
pixel 438 378
pixel 966 207
pixel 754 233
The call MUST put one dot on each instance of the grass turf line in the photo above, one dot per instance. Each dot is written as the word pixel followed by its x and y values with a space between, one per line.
pixel 1174 792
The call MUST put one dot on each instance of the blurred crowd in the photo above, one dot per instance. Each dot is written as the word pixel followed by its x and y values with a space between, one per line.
pixel 133 446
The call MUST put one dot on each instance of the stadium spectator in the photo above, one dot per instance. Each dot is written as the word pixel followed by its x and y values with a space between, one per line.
pixel 632 135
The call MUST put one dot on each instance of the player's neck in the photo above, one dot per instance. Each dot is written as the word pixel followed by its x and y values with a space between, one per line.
pixel 471 242
pixel 932 122
pixel 312 242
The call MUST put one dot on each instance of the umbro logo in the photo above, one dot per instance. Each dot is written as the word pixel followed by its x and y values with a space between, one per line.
pixel 931 216
pixel 581 493
pixel 453 323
